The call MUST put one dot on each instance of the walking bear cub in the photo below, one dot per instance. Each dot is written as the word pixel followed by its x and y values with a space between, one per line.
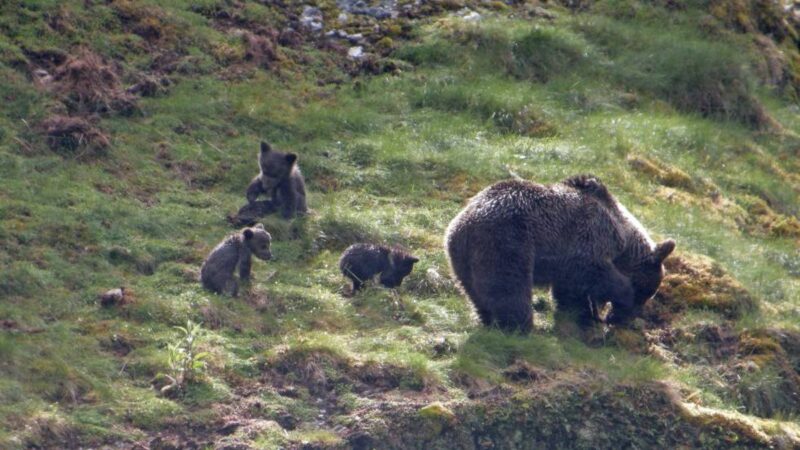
pixel 572 236
pixel 280 178
pixel 361 262
pixel 236 249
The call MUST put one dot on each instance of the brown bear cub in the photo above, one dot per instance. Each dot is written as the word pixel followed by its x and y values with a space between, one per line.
pixel 572 236
pixel 236 250
pixel 279 178
pixel 361 262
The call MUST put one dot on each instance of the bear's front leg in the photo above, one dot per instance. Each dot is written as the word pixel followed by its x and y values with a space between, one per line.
pixel 288 200
pixel 254 189
pixel 245 264
pixel 572 303
pixel 609 284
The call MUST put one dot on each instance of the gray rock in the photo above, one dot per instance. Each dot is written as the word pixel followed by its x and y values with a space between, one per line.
pixel 356 38
pixel 384 9
pixel 311 19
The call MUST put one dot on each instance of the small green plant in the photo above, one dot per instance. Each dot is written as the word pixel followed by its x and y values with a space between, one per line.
pixel 186 364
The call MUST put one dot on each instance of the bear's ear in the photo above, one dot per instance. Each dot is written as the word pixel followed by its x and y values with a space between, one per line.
pixel 265 148
pixel 260 226
pixel 663 250
pixel 291 158
pixel 248 234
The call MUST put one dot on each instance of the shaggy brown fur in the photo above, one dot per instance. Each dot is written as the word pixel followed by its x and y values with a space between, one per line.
pixel 281 179
pixel 361 262
pixel 235 250
pixel 573 236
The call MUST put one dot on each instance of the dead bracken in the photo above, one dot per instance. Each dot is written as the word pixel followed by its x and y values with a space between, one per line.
pixel 87 85
pixel 74 135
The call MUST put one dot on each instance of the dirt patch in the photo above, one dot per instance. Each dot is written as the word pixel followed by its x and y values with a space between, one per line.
pixel 754 16
pixel 47 58
pixel 320 371
pixel 758 370
pixel 698 282
pixel 87 84
pixel 146 21
pixel 261 50
pixel 774 68
pixel 589 416
pixel 150 85
pixel 522 371
pixel 751 368
pixel 74 136
pixel 49 430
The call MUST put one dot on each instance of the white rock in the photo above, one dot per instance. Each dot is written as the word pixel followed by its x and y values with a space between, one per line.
pixel 356 52
pixel 472 16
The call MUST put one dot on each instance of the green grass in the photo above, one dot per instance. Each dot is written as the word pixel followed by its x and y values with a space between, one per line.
pixel 389 159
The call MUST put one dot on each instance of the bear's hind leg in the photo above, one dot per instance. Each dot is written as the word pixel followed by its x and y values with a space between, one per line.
pixel 356 285
pixel 485 315
pixel 505 289
pixel 231 287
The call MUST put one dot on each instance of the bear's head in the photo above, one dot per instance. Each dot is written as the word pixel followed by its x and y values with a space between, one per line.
pixel 258 241
pixel 647 274
pixel 400 265
pixel 275 166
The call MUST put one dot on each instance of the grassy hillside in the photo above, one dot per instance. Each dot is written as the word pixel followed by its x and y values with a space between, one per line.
pixel 129 131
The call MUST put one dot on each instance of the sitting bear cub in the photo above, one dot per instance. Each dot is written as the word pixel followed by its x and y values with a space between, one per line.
pixel 237 249
pixel 573 236
pixel 361 262
pixel 280 178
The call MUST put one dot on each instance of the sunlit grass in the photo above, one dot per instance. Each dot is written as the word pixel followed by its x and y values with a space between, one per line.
pixel 389 159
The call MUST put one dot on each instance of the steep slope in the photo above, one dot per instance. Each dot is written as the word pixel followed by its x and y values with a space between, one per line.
pixel 130 130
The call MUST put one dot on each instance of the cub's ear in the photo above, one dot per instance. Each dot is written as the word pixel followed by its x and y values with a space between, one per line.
pixel 259 226
pixel 291 158
pixel 248 234
pixel 664 249
pixel 413 260
pixel 265 148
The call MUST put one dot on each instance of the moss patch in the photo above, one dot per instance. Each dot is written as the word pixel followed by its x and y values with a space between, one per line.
pixel 698 282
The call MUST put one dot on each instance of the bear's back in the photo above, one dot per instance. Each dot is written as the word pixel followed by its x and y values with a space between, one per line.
pixel 224 255
pixel 523 200
pixel 575 217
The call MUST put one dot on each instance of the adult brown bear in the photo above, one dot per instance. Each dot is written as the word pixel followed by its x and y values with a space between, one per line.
pixel 573 236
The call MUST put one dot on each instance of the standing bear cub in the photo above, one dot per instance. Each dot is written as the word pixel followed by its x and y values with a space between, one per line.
pixel 572 236
pixel 361 262
pixel 236 250
pixel 280 178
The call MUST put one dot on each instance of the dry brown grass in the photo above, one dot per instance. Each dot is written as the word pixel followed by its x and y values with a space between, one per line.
pixel 87 85
pixel 74 135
